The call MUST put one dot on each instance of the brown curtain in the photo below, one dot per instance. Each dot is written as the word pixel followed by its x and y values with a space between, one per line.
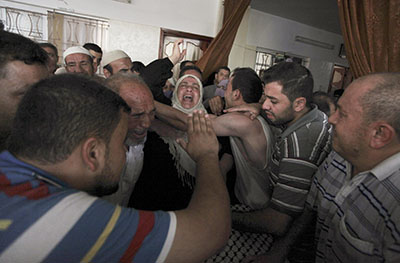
pixel 217 53
pixel 371 33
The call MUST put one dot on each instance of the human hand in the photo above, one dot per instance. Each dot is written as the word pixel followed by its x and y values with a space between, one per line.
pixel 177 55
pixel 202 139
pixel 216 105
pixel 252 110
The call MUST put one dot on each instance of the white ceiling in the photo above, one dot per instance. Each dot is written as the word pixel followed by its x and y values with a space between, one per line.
pixel 322 14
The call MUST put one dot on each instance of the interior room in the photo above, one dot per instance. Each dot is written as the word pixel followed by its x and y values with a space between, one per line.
pixel 268 32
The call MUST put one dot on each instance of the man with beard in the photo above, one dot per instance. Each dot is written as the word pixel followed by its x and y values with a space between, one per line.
pixel 139 98
pixel 355 193
pixel 22 63
pixel 61 154
pixel 298 151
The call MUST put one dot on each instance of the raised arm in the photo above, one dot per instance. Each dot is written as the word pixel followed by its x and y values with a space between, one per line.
pixel 157 72
pixel 204 227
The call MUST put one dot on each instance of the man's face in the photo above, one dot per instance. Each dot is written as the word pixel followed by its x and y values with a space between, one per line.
pixel 107 181
pixel 277 105
pixel 188 92
pixel 122 64
pixel 140 99
pixel 79 63
pixel 53 59
pixel 228 94
pixel 221 75
pixel 13 86
pixel 96 59
pixel 348 125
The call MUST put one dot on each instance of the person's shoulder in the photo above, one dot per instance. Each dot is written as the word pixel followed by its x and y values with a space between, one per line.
pixel 212 86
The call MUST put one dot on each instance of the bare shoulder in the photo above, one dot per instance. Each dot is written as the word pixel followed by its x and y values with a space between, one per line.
pixel 241 121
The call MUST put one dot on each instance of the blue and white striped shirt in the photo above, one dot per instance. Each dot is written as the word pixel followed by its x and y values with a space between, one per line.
pixel 358 218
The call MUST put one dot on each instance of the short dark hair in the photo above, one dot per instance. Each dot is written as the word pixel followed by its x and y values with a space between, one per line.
pixel 249 84
pixel 296 80
pixel 191 67
pixel 94 47
pixel 49 45
pixel 322 100
pixel 16 47
pixel 183 64
pixel 58 113
pixel 223 67
pixel 137 66
pixel 109 68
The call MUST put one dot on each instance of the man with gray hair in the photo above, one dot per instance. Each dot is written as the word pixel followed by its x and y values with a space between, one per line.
pixel 355 193
pixel 139 98
pixel 154 74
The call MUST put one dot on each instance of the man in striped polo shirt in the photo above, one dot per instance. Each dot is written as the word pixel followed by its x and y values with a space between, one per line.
pixel 61 154
pixel 299 149
pixel 356 192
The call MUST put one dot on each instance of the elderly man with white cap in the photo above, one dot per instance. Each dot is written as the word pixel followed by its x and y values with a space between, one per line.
pixel 154 74
pixel 78 60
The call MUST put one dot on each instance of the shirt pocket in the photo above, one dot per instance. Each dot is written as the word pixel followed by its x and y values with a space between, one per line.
pixel 361 245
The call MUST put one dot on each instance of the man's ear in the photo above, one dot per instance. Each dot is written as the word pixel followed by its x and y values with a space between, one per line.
pixel 236 94
pixel 107 73
pixel 299 104
pixel 382 134
pixel 93 154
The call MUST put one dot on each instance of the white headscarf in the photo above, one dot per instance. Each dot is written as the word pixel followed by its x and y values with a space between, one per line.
pixel 185 165
pixel 177 104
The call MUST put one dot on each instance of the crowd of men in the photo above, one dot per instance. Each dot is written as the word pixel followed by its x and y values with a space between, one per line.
pixel 73 157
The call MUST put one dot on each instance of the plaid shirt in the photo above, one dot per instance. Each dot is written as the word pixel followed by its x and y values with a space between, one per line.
pixel 358 218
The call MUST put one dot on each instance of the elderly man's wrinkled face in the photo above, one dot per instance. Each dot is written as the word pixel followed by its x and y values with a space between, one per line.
pixel 188 92
pixel 79 63
pixel 121 65
pixel 140 99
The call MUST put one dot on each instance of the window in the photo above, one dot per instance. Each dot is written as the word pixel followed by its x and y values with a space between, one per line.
pixel 266 59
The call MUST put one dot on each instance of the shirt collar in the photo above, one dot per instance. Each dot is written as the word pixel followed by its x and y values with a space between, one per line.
pixel 8 160
pixel 310 116
pixel 387 167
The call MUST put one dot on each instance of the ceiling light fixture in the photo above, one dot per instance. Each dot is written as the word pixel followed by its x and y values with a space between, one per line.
pixel 313 42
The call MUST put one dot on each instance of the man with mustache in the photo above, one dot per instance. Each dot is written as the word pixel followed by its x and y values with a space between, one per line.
pixel 298 151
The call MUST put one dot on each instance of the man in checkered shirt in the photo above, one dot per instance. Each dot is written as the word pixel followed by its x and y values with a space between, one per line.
pixel 356 192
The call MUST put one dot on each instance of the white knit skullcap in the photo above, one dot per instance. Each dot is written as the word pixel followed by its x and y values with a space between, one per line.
pixel 76 50
pixel 111 56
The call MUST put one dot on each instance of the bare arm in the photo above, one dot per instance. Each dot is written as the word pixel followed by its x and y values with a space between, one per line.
pixel 267 220
pixel 171 116
pixel 204 227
